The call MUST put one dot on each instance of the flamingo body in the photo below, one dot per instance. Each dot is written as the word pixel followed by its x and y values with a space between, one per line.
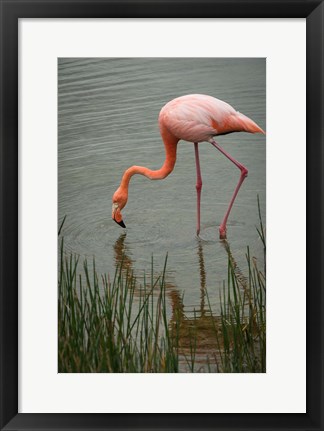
pixel 198 118
pixel 195 118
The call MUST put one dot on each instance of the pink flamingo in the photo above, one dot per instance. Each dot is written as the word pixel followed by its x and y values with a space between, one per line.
pixel 194 118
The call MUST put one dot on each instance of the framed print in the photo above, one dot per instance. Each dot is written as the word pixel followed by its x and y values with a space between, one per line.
pixel 168 323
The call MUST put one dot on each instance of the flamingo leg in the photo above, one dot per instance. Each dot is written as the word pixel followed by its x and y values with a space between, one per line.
pixel 198 186
pixel 244 173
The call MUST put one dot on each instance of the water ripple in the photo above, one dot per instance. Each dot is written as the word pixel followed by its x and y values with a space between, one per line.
pixel 107 121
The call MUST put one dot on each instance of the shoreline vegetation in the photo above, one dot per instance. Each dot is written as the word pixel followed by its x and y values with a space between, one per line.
pixel 122 326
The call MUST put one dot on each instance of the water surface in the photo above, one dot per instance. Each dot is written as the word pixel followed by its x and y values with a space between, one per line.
pixel 107 121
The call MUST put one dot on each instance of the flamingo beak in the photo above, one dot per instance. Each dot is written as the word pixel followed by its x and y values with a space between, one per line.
pixel 116 215
pixel 121 223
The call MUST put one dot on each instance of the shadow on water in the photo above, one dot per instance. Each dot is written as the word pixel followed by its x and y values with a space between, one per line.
pixel 122 256
pixel 201 336
pixel 198 324
pixel 242 280
pixel 201 324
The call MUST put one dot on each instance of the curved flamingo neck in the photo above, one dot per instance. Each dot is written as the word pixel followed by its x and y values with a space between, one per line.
pixel 159 174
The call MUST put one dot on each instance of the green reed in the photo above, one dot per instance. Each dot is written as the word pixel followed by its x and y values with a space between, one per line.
pixel 242 341
pixel 102 328
pixel 120 325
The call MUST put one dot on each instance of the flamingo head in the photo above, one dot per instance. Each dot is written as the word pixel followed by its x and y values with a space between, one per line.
pixel 119 200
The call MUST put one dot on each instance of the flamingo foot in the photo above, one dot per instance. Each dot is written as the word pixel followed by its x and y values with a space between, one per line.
pixel 222 232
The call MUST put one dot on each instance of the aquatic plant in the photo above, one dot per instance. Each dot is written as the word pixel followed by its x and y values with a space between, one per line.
pixel 102 329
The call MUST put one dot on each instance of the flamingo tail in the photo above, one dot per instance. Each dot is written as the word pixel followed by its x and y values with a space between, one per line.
pixel 248 125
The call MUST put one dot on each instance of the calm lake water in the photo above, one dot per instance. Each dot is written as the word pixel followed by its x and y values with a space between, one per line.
pixel 107 121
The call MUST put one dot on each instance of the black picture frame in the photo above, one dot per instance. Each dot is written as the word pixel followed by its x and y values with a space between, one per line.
pixel 11 12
